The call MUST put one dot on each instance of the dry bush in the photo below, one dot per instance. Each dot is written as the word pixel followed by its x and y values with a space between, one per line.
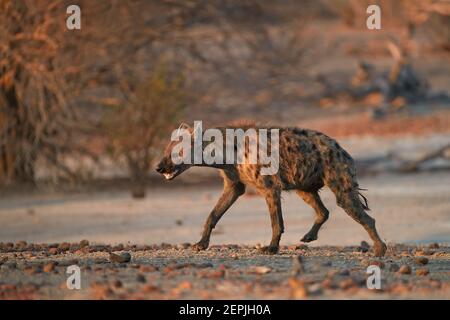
pixel 432 16
pixel 35 118
pixel 138 126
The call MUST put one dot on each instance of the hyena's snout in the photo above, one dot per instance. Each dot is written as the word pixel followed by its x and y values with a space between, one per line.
pixel 159 168
pixel 169 170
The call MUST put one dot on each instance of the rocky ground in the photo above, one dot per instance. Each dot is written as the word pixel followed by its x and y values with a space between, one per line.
pixel 38 271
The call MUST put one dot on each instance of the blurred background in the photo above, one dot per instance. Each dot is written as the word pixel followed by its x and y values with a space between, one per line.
pixel 84 114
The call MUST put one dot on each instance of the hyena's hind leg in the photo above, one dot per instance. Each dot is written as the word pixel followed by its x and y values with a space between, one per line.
pixel 313 199
pixel 350 202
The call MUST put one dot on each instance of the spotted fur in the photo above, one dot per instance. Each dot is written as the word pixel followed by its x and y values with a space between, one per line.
pixel 309 160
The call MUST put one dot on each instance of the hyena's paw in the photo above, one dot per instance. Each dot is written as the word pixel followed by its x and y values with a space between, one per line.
pixel 269 250
pixel 199 246
pixel 379 249
pixel 309 237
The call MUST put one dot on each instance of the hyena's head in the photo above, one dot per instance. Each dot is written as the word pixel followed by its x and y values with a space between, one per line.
pixel 171 165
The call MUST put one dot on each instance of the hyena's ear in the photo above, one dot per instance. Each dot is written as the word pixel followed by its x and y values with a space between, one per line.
pixel 184 126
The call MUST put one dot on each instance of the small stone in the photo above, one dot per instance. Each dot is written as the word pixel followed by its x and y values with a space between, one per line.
pixel 49 267
pixel 31 270
pixel 328 283
pixel 117 283
pixel 422 272
pixel 53 251
pixel 433 246
pixel 327 264
pixel 421 260
pixel 211 274
pixel 393 267
pixel 165 246
pixel 315 289
pixel 100 291
pixel 404 269
pixel 184 285
pixel 260 269
pixel 400 288
pixel 10 264
pixel 365 263
pixel 120 258
pixel 21 244
pixel 344 272
pixel 118 247
pixel 204 265
pixel 141 278
pixel 365 245
pixel 347 284
pixel 147 268
pixel 148 288
pixel 84 243
pixel 185 245
pixel 64 246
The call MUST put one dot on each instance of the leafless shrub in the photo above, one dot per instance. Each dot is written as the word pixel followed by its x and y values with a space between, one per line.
pixel 432 16
pixel 35 118
pixel 141 122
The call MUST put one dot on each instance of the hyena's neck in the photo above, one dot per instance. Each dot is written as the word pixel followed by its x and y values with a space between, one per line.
pixel 214 165
pixel 221 164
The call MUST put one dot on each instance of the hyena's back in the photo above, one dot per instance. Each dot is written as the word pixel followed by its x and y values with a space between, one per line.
pixel 308 161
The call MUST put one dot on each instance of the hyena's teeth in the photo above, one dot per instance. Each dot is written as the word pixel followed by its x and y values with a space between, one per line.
pixel 169 176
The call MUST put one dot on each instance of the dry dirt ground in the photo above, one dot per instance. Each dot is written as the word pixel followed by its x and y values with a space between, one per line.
pixel 223 272
pixel 412 213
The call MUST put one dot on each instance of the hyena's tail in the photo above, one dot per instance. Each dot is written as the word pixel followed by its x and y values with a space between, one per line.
pixel 363 201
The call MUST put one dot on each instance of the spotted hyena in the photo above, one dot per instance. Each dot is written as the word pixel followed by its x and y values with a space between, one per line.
pixel 308 160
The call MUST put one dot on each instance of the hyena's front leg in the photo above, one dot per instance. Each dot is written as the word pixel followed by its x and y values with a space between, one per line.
pixel 231 192
pixel 273 200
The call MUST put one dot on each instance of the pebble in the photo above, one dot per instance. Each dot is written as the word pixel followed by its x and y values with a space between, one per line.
pixel 66 263
pixel 150 288
pixel 404 269
pixel 120 257
pixel 327 264
pixel 422 272
pixel 344 272
pixel 393 267
pixel 118 247
pixel 433 246
pixel 100 291
pixel 141 278
pixel 211 274
pixel 53 251
pixel 49 267
pixel 363 247
pixel 182 246
pixel 421 260
pixel 64 246
pixel 260 269
pixel 117 283
pixel 147 268
pixel 10 264
pixel 347 284
pixel 84 243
